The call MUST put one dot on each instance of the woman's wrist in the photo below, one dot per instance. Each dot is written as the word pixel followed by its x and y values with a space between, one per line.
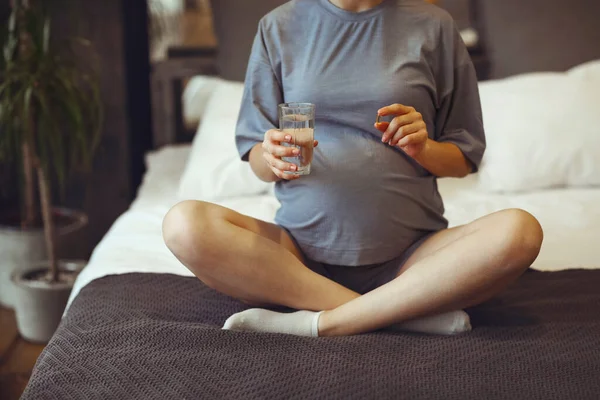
pixel 443 159
pixel 259 165
pixel 424 156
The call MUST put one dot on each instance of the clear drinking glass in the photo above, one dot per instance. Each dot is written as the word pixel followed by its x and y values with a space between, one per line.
pixel 298 120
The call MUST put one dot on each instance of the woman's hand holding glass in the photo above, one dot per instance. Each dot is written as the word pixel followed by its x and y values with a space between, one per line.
pixel 273 151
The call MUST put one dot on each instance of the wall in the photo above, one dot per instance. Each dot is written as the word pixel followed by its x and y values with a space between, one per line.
pixel 459 9
pixel 108 190
pixel 539 35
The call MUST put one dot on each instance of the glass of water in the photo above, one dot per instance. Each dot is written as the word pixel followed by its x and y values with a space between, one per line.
pixel 298 120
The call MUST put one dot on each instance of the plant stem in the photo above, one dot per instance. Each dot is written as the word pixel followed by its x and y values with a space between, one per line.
pixel 30 209
pixel 49 232
pixel 27 149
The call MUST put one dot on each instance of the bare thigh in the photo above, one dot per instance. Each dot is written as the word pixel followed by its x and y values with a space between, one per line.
pixel 445 237
pixel 265 229
pixel 252 260
pixel 196 224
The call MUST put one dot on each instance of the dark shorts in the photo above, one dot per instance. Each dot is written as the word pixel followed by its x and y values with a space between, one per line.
pixel 362 279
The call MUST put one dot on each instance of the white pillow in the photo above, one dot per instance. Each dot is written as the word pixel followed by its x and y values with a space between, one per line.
pixel 542 130
pixel 214 170
pixel 196 96
pixel 164 168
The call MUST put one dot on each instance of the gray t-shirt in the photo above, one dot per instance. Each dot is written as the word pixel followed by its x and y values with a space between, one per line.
pixel 364 201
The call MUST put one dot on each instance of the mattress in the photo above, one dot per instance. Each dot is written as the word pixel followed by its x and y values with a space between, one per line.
pixel 158 336
pixel 570 218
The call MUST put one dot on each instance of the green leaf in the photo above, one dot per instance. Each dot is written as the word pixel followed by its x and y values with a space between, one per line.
pixel 12 21
pixel 27 101
pixel 9 49
pixel 46 40
pixel 49 96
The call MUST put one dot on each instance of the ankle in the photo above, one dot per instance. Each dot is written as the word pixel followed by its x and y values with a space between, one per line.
pixel 327 325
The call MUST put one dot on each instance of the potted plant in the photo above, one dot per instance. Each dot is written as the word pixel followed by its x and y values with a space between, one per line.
pixel 50 119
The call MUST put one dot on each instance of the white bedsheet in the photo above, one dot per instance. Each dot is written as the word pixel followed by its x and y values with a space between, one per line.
pixel 570 218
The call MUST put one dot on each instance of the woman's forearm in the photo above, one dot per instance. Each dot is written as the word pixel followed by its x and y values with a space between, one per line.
pixel 441 159
pixel 444 160
pixel 259 166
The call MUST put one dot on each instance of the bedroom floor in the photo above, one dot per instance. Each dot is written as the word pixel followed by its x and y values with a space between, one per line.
pixel 17 357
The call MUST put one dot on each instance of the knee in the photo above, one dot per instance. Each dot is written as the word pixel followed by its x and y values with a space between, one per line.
pixel 185 228
pixel 523 236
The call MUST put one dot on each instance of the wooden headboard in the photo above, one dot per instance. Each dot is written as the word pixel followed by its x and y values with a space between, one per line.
pixel 516 37
pixel 167 80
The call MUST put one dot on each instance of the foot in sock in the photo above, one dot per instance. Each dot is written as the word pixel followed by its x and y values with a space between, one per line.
pixel 306 323
pixel 450 323
pixel 300 323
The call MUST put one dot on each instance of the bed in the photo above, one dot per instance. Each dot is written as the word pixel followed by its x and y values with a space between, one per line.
pixel 139 325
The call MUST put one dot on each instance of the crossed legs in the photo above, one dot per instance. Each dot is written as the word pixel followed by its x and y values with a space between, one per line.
pixel 257 262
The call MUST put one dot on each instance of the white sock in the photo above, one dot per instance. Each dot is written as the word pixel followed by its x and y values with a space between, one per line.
pixel 300 323
pixel 450 323
pixel 306 323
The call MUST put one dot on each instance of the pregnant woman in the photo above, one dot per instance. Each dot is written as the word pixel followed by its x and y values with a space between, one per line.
pixel 361 243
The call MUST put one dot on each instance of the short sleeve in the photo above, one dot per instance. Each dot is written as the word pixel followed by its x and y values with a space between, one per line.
pixel 262 95
pixel 459 117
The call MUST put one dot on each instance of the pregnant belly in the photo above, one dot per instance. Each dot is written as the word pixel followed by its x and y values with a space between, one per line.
pixel 367 207
pixel 370 212
pixel 364 202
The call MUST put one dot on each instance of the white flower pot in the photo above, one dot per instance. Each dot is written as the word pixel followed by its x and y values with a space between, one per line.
pixel 39 304
pixel 19 247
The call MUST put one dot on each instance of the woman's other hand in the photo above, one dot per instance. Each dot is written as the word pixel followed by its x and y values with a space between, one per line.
pixel 407 130
pixel 273 151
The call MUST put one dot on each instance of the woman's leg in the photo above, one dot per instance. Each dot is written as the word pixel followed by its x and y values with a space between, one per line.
pixel 247 259
pixel 453 269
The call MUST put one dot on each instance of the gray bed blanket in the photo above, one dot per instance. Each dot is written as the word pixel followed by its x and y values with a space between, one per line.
pixel 147 336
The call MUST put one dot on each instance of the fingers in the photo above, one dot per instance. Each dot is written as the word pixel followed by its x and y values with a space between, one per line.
pixel 407 130
pixel 395 109
pixel 416 138
pixel 396 124
pixel 280 151
pixel 272 144
pixel 278 163
pixel 382 126
pixel 273 139
pixel 279 167
pixel 274 151
pixel 316 143
pixel 282 175
pixel 277 136
pixel 399 124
